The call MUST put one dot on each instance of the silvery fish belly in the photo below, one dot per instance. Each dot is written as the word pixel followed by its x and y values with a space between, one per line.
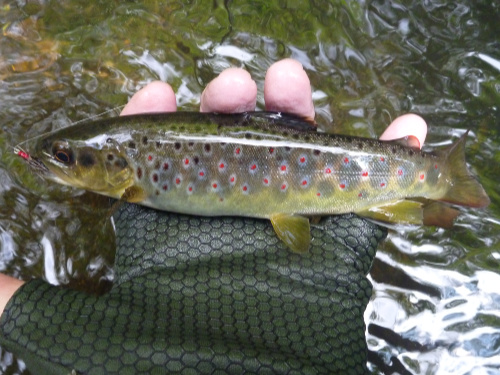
pixel 260 164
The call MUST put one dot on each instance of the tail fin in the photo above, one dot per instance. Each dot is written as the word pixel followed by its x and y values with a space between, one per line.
pixel 464 189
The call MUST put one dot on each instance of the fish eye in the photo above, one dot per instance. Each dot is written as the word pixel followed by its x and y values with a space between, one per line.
pixel 63 153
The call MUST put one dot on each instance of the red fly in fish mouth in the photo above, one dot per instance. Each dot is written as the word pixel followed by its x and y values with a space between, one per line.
pixel 23 154
pixel 32 162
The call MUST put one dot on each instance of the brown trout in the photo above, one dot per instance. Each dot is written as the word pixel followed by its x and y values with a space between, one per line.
pixel 256 164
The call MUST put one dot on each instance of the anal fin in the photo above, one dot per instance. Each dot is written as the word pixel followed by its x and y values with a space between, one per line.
pixel 402 212
pixel 421 212
pixel 440 215
pixel 293 230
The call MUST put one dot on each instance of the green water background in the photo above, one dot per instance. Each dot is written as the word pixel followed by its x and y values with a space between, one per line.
pixel 369 62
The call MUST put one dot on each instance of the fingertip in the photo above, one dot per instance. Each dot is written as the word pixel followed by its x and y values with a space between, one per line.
pixel 287 88
pixel 406 125
pixel 232 91
pixel 157 96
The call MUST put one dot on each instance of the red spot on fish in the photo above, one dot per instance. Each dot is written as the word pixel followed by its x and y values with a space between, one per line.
pixel 382 159
pixel 23 154
pixel 365 174
pixel 165 187
pixel 165 166
pixel 139 173
pixel 266 181
pixel 435 166
pixel 346 160
pixel 400 172
pixel 237 151
pixel 201 174
pixel 245 188
pixel 190 188
pixel 422 176
pixel 304 183
pixel 328 171
pixel 342 186
pixel 318 194
pixel 360 195
pixel 283 187
pixel 271 150
pixel 186 161
pixel 232 179
pixel 283 168
pixel 155 177
pixel 382 184
pixel 302 159
pixel 214 185
pixel 150 157
pixel 253 167
pixel 177 180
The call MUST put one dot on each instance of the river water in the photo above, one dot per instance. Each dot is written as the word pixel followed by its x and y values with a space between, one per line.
pixel 436 302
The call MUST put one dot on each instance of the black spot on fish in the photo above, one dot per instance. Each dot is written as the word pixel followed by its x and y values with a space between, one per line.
pixel 411 152
pixel 157 192
pixel 111 157
pixel 109 140
pixel 316 152
pixel 196 160
pixel 86 159
pixel 121 163
pixel 307 138
pixel 191 144
pixel 207 147
pixel 248 135
pixel 131 144
pixel 158 144
pixel 360 146
pixel 144 140
pixel 394 150
pixel 287 149
pixel 177 145
pixel 139 173
pixel 157 164
pixel 295 136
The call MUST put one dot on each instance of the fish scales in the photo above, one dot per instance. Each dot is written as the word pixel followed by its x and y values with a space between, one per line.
pixel 263 165
pixel 234 175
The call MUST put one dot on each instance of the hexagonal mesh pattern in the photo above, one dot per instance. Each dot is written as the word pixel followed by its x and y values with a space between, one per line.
pixel 208 295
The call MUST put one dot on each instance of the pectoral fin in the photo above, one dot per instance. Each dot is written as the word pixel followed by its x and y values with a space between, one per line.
pixel 134 194
pixel 293 230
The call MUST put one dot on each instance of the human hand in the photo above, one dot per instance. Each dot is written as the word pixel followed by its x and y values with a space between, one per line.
pixel 216 290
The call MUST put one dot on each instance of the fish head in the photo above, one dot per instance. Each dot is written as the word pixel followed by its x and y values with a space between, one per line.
pixel 95 165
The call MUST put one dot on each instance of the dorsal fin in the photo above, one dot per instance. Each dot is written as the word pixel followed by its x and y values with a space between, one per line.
pixel 409 141
pixel 288 120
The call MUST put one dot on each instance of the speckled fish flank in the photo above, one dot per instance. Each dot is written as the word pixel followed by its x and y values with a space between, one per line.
pixel 263 165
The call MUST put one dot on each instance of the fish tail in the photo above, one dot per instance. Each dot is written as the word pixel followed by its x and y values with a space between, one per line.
pixel 464 189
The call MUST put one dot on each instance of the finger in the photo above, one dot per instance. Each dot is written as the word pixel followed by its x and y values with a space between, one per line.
pixel 406 125
pixel 232 91
pixel 287 89
pixel 155 97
